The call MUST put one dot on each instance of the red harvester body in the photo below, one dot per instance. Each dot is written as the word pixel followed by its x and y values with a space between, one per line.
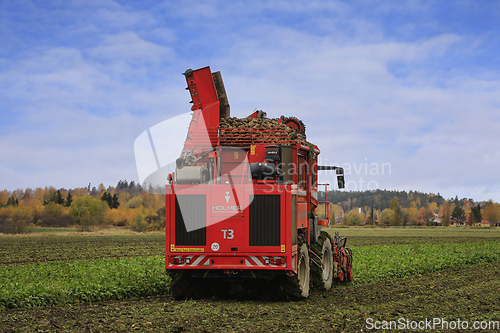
pixel 241 205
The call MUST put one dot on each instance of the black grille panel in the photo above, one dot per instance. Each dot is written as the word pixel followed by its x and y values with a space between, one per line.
pixel 264 220
pixel 190 214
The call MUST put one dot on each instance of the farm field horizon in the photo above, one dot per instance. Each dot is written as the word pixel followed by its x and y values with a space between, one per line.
pixel 461 277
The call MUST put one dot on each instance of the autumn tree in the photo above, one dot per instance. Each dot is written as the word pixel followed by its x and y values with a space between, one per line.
pixel 139 224
pixel 386 217
pixel 4 195
pixel 394 206
pixel 21 218
pixel 156 221
pixel 320 211
pixel 371 218
pixel 123 198
pixel 353 218
pixel 405 216
pixel 335 210
pixel 433 207
pixel 87 211
pixel 117 217
pixel 445 213
pixel 467 206
pixel 426 214
pixel 135 202
pixel 38 195
pixel 492 213
pixel 412 212
pixel 54 209
pixel 475 215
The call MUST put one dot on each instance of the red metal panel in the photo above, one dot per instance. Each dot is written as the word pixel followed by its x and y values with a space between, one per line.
pixel 230 233
pixel 225 202
pixel 234 167
pixel 225 261
pixel 202 88
pixel 203 127
pixel 301 215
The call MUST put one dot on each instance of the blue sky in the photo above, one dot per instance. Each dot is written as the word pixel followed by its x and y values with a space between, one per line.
pixel 404 94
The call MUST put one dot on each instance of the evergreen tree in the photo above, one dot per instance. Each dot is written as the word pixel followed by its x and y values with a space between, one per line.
pixel 109 200
pixel 69 200
pixel 104 198
pixel 458 213
pixel 475 215
pixel 59 198
pixel 12 202
pixel 121 184
pixel 115 204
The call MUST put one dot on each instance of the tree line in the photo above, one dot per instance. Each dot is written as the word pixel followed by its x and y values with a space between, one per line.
pixel 125 204
pixel 128 205
pixel 401 208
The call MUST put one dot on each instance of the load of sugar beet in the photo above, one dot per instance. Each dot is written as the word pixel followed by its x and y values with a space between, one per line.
pixel 243 131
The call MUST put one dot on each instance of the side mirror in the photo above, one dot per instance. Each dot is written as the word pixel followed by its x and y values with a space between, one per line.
pixel 341 181
pixel 340 178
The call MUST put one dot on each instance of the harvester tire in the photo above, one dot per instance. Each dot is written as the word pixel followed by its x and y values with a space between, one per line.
pixel 183 287
pixel 303 271
pixel 327 274
pixel 296 287
pixel 322 269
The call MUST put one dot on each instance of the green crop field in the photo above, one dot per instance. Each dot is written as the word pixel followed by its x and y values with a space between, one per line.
pixel 116 283
pixel 15 250
pixel 82 281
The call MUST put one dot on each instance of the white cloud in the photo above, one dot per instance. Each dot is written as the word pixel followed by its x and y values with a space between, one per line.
pixel 420 124
pixel 127 46
pixel 369 85
pixel 73 123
